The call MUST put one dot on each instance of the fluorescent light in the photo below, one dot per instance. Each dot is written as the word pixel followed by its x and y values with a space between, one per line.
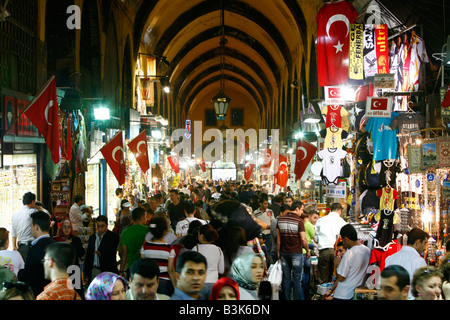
pixel 101 113
pixel 156 134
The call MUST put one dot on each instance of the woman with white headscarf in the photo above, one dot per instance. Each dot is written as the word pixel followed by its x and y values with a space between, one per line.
pixel 248 272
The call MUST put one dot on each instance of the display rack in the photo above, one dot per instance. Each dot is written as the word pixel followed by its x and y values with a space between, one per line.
pixel 60 192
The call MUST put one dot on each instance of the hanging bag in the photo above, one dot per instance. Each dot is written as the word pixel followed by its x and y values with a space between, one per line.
pixel 275 275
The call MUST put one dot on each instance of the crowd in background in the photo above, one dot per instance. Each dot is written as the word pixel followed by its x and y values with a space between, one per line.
pixel 216 241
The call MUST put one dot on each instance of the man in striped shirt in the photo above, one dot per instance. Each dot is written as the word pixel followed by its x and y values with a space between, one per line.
pixel 58 257
pixel 291 239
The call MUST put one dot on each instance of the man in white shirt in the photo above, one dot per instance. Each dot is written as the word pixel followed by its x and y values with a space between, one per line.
pixel 352 268
pixel 182 226
pixel 409 256
pixel 327 232
pixel 265 216
pixel 21 225
pixel 76 215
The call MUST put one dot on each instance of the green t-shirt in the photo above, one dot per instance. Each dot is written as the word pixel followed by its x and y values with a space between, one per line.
pixel 133 237
pixel 310 232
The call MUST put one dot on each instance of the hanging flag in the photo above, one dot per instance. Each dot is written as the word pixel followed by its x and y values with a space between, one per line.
pixel 356 54
pixel 248 170
pixel 175 181
pixel 281 176
pixel 202 165
pixel 43 112
pixel 114 158
pixel 305 151
pixel 265 166
pixel 138 146
pixel 69 138
pixel 174 163
pixel 382 48
pixel 333 26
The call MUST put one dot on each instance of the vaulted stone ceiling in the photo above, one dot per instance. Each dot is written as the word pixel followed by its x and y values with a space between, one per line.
pixel 266 42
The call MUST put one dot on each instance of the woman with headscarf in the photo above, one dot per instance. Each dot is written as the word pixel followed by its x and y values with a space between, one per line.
pixel 107 286
pixel 248 271
pixel 225 289
pixel 65 234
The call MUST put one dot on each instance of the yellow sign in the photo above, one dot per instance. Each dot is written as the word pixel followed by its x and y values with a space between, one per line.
pixel 356 55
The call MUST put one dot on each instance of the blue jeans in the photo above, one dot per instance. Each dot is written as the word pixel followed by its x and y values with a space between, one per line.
pixel 292 262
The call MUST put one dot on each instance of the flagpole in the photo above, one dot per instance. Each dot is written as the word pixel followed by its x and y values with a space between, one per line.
pixel 29 105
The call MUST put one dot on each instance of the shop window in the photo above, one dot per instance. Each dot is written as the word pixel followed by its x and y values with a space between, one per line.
pixel 210 118
pixel 237 117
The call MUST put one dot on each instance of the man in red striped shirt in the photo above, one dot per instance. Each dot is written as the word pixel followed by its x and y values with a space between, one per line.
pixel 291 239
pixel 58 257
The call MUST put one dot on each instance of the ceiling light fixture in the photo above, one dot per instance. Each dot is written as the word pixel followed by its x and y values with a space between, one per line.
pixel 221 101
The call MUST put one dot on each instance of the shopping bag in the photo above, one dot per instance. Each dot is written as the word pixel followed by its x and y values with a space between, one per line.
pixel 275 275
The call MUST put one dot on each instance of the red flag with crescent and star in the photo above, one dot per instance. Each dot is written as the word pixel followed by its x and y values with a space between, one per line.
pixel 138 146
pixel 202 164
pixel 174 163
pixel 282 176
pixel 305 151
pixel 43 112
pixel 333 25
pixel 113 153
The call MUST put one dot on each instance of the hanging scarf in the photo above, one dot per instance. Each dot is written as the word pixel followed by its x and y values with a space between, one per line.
pixel 242 270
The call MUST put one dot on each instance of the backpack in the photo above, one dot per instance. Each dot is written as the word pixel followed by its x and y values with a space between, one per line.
pixel 363 155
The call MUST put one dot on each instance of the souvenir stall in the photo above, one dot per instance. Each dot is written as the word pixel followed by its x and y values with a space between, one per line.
pixel 379 156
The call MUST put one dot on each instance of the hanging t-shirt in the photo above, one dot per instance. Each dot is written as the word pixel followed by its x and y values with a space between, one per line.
pixel 332 169
pixel 418 55
pixel 387 198
pixel 333 137
pixel 408 122
pixel 336 115
pixel 379 256
pixel 385 142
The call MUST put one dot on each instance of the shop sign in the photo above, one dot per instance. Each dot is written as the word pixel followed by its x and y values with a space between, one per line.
pixel 379 107
pixel 337 191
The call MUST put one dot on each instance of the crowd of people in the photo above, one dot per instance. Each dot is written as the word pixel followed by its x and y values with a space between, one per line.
pixel 205 241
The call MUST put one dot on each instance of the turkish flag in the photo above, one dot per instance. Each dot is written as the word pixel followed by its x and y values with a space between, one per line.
pixel 174 163
pixel 265 167
pixel 282 173
pixel 446 102
pixel 113 153
pixel 305 151
pixel 248 170
pixel 333 25
pixel 202 164
pixel 43 112
pixel 139 148
pixel 379 104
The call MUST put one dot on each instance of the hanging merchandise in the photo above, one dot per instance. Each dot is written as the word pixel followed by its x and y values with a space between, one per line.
pixel 370 55
pixel 385 142
pixel 334 137
pixel 332 168
pixel 429 153
pixel 356 57
pixel 414 158
pixel 387 198
pixel 336 115
pixel 333 42
pixel 443 144
pixel 382 49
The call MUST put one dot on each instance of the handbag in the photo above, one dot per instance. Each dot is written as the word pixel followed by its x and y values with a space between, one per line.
pixel 275 275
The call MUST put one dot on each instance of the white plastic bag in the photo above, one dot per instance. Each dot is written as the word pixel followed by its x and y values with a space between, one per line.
pixel 275 275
